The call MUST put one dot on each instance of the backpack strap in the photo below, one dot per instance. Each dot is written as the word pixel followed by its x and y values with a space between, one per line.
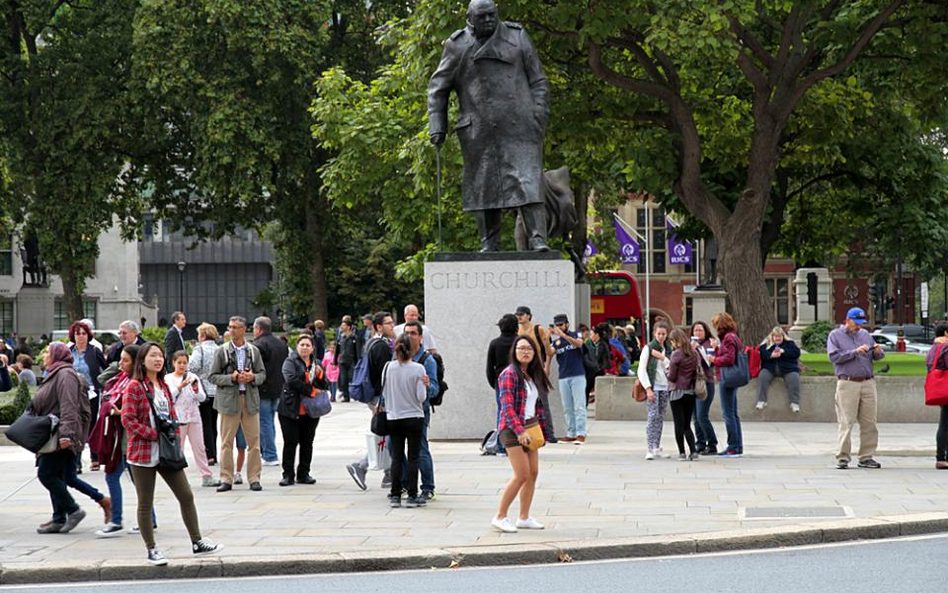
pixel 424 357
pixel 536 332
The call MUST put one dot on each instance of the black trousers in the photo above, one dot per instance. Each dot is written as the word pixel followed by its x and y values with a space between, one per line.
pixel 409 429
pixel 345 377
pixel 941 437
pixel 682 410
pixel 300 433
pixel 51 471
pixel 209 422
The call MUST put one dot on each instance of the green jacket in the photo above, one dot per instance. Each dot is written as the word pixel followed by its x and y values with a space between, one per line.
pixel 227 400
pixel 652 361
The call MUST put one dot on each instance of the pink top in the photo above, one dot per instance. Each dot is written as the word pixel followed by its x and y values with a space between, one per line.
pixel 332 369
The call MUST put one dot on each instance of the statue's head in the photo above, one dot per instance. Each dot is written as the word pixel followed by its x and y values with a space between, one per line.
pixel 482 17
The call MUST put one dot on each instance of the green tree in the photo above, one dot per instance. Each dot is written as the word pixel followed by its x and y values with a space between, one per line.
pixel 63 131
pixel 228 84
pixel 698 103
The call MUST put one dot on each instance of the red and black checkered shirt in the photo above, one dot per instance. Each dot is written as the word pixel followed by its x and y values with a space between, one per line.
pixel 136 418
pixel 513 401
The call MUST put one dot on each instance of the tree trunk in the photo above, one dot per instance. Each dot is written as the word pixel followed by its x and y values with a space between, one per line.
pixel 73 287
pixel 739 264
pixel 316 208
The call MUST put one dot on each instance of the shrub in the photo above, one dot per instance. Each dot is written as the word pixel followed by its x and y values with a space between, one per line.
pixel 814 337
pixel 12 407
pixel 155 334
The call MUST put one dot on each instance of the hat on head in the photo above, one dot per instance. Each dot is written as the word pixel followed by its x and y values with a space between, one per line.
pixel 368 316
pixel 560 318
pixel 857 315
pixel 524 310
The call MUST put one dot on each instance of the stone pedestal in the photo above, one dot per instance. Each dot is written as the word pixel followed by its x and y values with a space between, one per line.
pixel 707 301
pixel 465 296
pixel 583 311
pixel 35 307
pixel 806 313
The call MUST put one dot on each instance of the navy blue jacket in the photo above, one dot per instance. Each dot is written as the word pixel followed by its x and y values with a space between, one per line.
pixel 788 362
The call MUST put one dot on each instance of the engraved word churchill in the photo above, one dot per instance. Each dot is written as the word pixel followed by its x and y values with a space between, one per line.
pixel 503 94
pixel 498 280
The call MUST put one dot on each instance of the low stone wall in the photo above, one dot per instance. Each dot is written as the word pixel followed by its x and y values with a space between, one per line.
pixel 901 399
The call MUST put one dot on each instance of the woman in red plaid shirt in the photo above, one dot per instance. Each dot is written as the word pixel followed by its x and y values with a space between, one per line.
pixel 520 386
pixel 147 408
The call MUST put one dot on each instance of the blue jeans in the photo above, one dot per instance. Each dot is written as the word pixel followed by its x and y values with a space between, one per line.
pixel 241 441
pixel 114 482
pixel 332 390
pixel 704 431
pixel 268 447
pixel 500 444
pixel 76 483
pixel 735 440
pixel 51 471
pixel 573 392
pixel 425 464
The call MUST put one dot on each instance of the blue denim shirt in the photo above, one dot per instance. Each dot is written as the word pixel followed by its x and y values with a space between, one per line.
pixel 431 369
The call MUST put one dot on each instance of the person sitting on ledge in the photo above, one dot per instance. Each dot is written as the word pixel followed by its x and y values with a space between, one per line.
pixel 779 357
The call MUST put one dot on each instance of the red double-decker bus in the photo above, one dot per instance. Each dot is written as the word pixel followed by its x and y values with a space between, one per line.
pixel 614 297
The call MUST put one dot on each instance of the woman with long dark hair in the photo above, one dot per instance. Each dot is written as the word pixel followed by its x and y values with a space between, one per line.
pixel 706 440
pixel 520 386
pixel 147 409
pixel 683 370
pixel 302 377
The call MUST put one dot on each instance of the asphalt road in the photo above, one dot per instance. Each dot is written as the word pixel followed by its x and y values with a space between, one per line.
pixel 911 565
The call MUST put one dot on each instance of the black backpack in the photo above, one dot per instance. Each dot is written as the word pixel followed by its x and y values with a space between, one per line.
pixel 442 386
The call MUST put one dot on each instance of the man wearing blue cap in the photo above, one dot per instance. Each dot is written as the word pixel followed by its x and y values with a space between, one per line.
pixel 852 350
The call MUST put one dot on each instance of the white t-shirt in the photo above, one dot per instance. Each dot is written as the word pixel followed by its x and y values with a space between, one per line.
pixel 530 409
pixel 162 406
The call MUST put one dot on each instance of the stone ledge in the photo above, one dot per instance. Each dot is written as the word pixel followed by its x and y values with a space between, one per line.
pixel 489 555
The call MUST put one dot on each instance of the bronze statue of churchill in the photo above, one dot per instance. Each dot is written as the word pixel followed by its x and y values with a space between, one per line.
pixel 503 94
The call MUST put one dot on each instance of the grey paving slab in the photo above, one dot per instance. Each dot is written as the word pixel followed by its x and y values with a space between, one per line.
pixel 603 489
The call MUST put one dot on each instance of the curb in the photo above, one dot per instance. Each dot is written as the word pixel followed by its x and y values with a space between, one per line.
pixel 493 555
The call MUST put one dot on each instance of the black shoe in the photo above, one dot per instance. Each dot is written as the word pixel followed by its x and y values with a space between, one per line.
pixel 414 502
pixel 287 482
pixel 394 501
pixel 869 464
pixel 842 464
pixel 709 451
pixel 307 479
pixel 224 487
pixel 255 486
pixel 552 440
pixel 701 450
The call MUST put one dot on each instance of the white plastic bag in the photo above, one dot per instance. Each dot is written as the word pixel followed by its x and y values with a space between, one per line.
pixel 379 456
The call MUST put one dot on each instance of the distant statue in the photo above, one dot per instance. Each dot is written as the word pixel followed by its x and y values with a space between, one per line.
pixel 34 270
pixel 496 73
pixel 561 217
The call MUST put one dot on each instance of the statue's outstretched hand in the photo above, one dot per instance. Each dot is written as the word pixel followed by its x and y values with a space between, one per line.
pixel 437 138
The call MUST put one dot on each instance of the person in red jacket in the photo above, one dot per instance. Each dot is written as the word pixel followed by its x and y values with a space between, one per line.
pixel 725 356
pixel 147 409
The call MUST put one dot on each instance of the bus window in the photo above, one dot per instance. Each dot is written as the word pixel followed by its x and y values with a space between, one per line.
pixel 617 287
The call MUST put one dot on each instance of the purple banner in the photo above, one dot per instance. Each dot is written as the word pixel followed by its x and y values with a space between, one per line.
pixel 628 247
pixel 590 250
pixel 679 252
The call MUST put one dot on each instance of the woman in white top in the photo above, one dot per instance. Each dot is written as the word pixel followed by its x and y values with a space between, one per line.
pixel 404 391
pixel 188 393
pixel 653 363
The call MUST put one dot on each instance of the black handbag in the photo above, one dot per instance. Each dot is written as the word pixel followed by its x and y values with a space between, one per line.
pixel 379 424
pixel 33 432
pixel 170 449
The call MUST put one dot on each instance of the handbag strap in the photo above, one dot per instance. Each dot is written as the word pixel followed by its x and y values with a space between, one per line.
pixel 940 363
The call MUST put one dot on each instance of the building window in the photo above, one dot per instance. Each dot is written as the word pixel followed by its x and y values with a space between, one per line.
pixel 689 312
pixel 658 239
pixel 61 321
pixel 6 318
pixel 779 291
pixel 6 255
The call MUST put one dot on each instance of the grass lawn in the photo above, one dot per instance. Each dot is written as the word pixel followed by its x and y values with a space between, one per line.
pixel 900 365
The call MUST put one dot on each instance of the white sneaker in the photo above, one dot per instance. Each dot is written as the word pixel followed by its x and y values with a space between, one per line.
pixel 238 479
pixel 273 463
pixel 156 558
pixel 650 455
pixel 503 525
pixel 761 405
pixel 109 530
pixel 529 523
pixel 661 453
pixel 795 408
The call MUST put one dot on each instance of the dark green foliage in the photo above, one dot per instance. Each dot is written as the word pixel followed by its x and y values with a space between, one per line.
pixel 814 336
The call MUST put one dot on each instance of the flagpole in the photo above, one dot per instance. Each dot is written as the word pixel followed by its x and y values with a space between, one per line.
pixel 648 256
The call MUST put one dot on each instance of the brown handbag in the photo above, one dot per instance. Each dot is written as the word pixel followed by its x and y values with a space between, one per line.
pixel 639 392
pixel 536 437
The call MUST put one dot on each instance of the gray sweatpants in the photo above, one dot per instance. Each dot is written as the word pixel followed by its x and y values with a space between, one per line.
pixel 766 377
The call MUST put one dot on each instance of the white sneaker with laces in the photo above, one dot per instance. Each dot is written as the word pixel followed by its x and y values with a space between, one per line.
pixel 503 525
pixel 529 523
pixel 273 463
pixel 650 455
pixel 795 408
pixel 761 405
pixel 238 479
pixel 156 558
pixel 109 530
pixel 661 453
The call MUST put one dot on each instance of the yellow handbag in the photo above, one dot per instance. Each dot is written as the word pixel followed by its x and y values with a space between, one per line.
pixel 536 437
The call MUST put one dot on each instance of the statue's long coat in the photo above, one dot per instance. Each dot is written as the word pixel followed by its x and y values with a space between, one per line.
pixel 503 95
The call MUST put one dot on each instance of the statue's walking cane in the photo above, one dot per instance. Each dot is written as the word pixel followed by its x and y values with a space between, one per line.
pixel 438 163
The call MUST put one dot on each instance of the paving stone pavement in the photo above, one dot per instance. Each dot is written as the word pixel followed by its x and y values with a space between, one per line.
pixel 603 489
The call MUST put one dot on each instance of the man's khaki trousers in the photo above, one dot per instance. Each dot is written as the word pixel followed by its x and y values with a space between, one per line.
pixel 251 425
pixel 856 402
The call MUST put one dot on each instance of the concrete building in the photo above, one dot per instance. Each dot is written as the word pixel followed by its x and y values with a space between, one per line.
pixel 33 306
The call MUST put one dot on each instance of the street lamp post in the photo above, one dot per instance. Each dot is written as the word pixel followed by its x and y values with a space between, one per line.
pixel 181 266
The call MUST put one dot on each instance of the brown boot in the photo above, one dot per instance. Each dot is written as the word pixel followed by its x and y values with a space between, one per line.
pixel 106 504
pixel 941 465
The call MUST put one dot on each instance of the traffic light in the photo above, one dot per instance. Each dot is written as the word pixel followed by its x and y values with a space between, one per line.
pixel 873 294
pixel 811 288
